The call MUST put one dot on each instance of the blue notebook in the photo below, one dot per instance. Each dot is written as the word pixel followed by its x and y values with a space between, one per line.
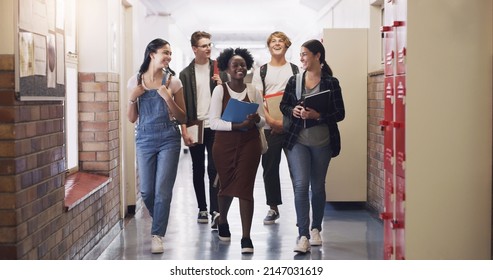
pixel 237 111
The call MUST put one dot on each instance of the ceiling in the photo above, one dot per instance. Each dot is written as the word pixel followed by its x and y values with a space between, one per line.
pixel 246 23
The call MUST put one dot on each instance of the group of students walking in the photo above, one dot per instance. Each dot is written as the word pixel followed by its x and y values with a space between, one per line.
pixel 159 103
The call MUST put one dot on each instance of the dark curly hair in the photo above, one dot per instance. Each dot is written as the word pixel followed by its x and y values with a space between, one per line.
pixel 227 54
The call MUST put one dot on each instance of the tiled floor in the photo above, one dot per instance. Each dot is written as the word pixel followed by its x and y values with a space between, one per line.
pixel 349 231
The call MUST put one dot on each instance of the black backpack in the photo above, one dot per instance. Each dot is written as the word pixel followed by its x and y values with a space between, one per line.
pixel 263 72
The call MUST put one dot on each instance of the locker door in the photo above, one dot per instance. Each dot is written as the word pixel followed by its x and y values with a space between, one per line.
pixel 400 125
pixel 388 216
pixel 399 223
pixel 387 124
pixel 400 35
pixel 389 47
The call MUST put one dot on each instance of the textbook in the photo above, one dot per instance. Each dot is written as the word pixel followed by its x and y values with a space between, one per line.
pixel 318 102
pixel 196 130
pixel 237 111
pixel 273 100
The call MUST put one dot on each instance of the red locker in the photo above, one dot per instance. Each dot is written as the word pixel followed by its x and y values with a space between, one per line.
pixel 389 49
pixel 389 14
pixel 399 10
pixel 400 125
pixel 387 124
pixel 394 36
pixel 399 222
pixel 388 216
pixel 389 99
pixel 400 35
pixel 399 24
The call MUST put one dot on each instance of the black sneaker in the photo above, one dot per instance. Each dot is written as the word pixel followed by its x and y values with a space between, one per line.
pixel 214 220
pixel 271 217
pixel 246 246
pixel 203 217
pixel 224 234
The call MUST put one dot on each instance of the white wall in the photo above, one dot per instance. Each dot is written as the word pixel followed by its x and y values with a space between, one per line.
pixel 146 29
pixel 374 38
pixel 449 129
pixel 98 35
pixel 351 14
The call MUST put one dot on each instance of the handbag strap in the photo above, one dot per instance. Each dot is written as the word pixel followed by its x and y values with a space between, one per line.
pixel 226 97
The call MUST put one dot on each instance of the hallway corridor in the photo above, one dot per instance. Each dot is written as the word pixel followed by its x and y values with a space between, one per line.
pixel 349 231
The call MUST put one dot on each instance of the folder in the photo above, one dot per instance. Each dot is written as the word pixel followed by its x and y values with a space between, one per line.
pixel 237 111
pixel 196 130
pixel 273 100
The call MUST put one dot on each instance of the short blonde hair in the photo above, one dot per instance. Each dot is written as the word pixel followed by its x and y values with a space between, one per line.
pixel 281 35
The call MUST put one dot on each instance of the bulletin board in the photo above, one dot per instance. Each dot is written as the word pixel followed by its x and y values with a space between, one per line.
pixel 40 55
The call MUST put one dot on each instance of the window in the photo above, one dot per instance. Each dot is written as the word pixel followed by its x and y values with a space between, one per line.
pixel 71 98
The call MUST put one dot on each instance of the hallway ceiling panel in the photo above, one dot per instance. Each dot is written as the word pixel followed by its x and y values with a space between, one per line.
pixel 242 22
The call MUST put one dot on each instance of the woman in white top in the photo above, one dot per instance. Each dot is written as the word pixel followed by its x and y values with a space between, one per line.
pixel 156 103
pixel 237 146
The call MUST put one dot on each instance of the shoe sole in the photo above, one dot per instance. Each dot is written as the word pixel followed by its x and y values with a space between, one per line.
pixel 269 222
pixel 301 251
pixel 316 243
pixel 202 221
pixel 247 250
pixel 223 238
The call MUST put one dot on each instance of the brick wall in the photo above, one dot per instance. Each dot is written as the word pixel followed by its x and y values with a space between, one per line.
pixel 33 220
pixel 375 141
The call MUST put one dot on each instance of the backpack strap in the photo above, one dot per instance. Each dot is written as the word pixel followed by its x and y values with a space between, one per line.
pixel 263 73
pixel 294 68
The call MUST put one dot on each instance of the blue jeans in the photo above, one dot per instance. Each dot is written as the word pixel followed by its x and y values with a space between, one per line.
pixel 158 151
pixel 308 167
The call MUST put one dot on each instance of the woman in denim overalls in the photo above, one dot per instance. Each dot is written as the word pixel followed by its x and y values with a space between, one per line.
pixel 156 103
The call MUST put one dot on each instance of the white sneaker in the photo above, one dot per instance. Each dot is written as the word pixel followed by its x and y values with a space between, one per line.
pixel 215 220
pixel 157 246
pixel 302 246
pixel 316 239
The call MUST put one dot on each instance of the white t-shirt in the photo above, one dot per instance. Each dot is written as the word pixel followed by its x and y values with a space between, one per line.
pixel 175 84
pixel 202 80
pixel 276 79
pixel 217 106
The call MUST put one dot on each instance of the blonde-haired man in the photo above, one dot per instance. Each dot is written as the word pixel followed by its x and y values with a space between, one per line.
pixel 271 78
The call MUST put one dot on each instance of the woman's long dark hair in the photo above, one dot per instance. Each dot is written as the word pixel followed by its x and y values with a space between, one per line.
pixel 315 47
pixel 152 47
